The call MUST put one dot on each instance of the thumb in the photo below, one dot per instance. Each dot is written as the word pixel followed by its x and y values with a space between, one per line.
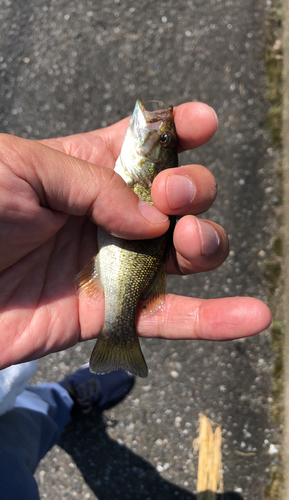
pixel 76 187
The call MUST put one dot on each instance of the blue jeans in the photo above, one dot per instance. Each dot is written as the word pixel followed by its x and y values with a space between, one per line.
pixel 27 432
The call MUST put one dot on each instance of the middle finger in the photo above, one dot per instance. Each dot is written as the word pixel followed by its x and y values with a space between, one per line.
pixel 190 189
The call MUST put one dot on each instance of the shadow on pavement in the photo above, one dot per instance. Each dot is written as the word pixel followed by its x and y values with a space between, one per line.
pixel 112 471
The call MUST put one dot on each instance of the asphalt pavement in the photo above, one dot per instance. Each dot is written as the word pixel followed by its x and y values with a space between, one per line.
pixel 69 67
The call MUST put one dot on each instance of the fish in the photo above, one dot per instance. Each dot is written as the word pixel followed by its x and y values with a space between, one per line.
pixel 132 273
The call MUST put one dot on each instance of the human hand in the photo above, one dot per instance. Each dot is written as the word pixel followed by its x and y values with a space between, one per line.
pixel 52 195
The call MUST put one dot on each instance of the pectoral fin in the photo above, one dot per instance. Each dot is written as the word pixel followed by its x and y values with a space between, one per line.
pixel 156 293
pixel 88 280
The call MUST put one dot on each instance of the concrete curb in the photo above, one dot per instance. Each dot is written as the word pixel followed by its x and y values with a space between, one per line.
pixel 286 240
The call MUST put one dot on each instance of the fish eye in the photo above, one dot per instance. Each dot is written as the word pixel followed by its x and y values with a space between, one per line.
pixel 165 139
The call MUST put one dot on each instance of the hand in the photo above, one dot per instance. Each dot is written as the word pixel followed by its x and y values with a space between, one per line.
pixel 52 195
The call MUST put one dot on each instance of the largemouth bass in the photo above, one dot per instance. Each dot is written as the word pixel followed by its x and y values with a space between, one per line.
pixel 132 273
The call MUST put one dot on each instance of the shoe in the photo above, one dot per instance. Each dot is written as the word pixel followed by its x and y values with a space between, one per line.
pixel 92 391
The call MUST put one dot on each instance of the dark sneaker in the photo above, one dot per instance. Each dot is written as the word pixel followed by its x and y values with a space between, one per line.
pixel 91 391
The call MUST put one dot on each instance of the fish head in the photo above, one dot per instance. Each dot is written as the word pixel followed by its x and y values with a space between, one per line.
pixel 154 135
pixel 150 145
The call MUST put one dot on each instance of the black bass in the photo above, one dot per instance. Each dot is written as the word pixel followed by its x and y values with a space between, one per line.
pixel 132 272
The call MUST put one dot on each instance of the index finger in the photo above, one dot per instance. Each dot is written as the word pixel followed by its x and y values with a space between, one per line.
pixel 195 122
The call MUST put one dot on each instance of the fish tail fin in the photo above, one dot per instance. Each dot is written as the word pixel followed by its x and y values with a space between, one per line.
pixel 109 355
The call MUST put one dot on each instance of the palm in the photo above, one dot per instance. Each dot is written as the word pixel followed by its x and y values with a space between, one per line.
pixel 40 285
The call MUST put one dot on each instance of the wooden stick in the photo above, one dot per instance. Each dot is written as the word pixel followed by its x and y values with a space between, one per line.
pixel 209 442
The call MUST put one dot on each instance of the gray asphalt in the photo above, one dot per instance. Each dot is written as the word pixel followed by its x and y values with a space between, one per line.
pixel 69 67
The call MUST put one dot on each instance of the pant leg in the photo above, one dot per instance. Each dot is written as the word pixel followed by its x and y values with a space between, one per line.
pixel 13 381
pixel 27 432
pixel 56 402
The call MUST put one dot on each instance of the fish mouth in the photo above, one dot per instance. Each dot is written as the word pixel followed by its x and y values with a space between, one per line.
pixel 153 116
pixel 144 121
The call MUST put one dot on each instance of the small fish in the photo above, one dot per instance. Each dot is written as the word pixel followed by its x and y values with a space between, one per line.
pixel 132 273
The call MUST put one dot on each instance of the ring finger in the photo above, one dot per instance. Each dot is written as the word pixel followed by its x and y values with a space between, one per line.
pixel 199 245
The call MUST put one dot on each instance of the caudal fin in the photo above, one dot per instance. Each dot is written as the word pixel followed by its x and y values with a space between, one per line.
pixel 109 355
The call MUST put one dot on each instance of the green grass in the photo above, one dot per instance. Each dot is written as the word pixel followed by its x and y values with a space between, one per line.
pixel 274 65
pixel 273 267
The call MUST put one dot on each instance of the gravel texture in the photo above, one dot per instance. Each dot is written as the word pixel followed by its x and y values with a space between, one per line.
pixel 69 67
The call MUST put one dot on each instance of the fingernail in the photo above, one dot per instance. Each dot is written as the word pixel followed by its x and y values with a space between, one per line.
pixel 209 238
pixel 150 213
pixel 215 115
pixel 180 191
